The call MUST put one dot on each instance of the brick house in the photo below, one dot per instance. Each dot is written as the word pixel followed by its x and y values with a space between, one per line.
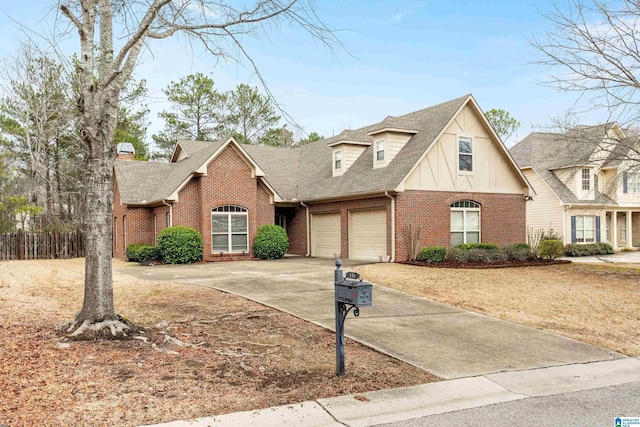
pixel 441 169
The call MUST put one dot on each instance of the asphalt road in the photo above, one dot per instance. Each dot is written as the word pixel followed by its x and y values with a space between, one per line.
pixel 597 407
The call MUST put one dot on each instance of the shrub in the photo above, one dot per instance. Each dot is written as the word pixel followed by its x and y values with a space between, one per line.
pixel 180 245
pixel 550 249
pixel 432 254
pixel 575 250
pixel 271 242
pixel 462 255
pixel 477 246
pixel 517 252
pixel 142 253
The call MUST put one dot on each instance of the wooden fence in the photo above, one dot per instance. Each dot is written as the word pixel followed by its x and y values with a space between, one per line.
pixel 49 245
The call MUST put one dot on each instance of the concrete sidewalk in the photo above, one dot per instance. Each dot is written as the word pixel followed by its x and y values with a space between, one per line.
pixel 444 340
pixel 407 403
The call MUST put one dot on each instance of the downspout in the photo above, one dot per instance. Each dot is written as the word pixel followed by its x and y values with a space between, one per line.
pixel 393 226
pixel 170 212
pixel 308 230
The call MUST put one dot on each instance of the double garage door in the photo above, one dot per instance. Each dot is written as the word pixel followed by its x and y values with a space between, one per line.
pixel 367 234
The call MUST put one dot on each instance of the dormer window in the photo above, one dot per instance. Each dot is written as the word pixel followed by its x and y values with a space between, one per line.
pixel 337 160
pixel 586 180
pixel 465 154
pixel 380 150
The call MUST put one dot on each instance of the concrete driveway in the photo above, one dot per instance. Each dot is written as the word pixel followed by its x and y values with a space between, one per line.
pixel 444 340
pixel 617 258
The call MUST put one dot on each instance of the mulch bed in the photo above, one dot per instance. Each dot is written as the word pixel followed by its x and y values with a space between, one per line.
pixel 480 265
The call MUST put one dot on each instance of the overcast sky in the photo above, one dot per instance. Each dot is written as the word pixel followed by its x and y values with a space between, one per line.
pixel 402 56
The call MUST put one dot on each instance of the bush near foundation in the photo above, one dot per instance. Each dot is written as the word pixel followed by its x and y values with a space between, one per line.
pixel 271 242
pixel 180 245
pixel 142 253
pixel 432 254
pixel 550 249
pixel 588 249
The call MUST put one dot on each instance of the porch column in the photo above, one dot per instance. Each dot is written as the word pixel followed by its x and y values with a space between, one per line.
pixel 614 229
pixel 629 230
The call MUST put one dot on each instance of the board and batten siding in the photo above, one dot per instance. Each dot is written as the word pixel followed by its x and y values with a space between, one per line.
pixel 493 171
pixel 545 210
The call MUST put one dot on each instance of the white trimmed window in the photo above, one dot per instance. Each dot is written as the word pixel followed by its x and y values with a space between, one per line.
pixel 586 180
pixel 155 230
pixel 167 219
pixel 380 150
pixel 585 229
pixel 465 154
pixel 337 160
pixel 229 229
pixel 465 222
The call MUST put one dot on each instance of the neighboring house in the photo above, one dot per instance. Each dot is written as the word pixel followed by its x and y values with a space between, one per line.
pixel 442 170
pixel 586 184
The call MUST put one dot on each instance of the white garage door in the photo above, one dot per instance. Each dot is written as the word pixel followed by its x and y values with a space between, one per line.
pixel 367 234
pixel 325 235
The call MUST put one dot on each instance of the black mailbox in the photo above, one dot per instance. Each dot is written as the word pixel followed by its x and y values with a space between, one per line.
pixel 354 292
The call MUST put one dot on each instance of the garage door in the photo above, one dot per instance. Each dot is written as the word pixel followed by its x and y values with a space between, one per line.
pixel 367 234
pixel 325 235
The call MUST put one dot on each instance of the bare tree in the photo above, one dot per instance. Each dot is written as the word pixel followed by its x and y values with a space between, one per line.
pixel 104 67
pixel 593 50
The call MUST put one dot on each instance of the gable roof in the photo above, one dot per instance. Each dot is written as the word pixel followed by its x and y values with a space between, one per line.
pixel 548 152
pixel 302 173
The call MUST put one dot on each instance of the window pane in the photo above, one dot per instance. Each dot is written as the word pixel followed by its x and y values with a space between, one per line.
pixel 238 223
pixel 465 162
pixel 580 222
pixel 457 223
pixel 473 221
pixel 588 223
pixel 457 239
pixel 239 242
pixel 464 145
pixel 473 237
pixel 220 242
pixel 380 155
pixel 219 223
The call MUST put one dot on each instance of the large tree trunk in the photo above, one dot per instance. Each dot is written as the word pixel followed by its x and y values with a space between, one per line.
pixel 98 289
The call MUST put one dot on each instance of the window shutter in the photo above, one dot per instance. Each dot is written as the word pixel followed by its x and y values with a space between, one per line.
pixel 625 178
pixel 597 229
pixel 573 229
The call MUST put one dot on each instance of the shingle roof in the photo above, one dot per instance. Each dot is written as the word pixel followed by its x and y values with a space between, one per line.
pixel 547 152
pixel 301 173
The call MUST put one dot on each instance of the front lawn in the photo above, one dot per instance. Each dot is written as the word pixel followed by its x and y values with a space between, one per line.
pixel 596 304
pixel 236 355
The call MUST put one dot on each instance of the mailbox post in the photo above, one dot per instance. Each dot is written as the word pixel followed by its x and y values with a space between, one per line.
pixel 349 291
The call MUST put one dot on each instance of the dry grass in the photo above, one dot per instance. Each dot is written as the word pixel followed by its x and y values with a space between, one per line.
pixel 596 304
pixel 248 356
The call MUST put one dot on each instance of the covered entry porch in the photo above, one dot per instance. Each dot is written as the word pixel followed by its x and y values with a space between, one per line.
pixel 623 228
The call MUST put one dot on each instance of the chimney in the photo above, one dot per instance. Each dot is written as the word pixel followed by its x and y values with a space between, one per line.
pixel 125 151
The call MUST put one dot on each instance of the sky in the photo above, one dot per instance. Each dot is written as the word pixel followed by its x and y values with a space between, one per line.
pixel 399 56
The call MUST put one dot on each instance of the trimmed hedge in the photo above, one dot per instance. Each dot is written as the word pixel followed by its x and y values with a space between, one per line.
pixel 550 249
pixel 271 242
pixel 575 249
pixel 466 246
pixel 432 254
pixel 486 255
pixel 517 252
pixel 180 245
pixel 142 253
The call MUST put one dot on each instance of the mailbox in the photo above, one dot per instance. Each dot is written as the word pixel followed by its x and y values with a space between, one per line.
pixel 354 291
pixel 350 291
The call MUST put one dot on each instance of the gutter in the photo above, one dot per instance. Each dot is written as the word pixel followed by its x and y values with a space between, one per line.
pixel 393 226
pixel 308 230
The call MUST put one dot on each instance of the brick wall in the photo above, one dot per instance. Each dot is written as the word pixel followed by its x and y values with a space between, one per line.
pixel 229 182
pixel 297 231
pixel 502 218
